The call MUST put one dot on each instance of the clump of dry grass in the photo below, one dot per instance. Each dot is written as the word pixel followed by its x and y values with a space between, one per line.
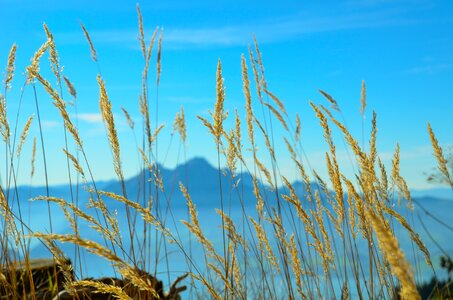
pixel 305 242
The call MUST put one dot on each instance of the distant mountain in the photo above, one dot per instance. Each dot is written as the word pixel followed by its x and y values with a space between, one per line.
pixel 202 181
pixel 200 178
pixel 443 193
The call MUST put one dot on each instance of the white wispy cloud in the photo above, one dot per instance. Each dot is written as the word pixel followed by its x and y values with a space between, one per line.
pixel 267 31
pixel 96 122
pixel 93 118
pixel 415 153
pixel 374 3
pixel 189 100
pixel 49 124
pixel 431 68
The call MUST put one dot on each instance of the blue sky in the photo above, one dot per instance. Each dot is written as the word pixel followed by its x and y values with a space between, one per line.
pixel 403 49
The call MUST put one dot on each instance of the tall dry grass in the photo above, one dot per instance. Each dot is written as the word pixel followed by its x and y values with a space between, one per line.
pixel 292 245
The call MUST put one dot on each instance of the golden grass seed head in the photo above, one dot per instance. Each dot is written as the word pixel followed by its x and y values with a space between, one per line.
pixel 325 125
pixel 413 235
pixel 259 198
pixel 90 246
pixel 334 175
pixel 194 225
pixel 180 124
pixel 265 171
pixel 354 203
pixel 334 220
pixel 24 135
pixel 100 287
pixel 143 101
pixel 33 156
pixel 277 115
pixel 393 254
pixel 327 253
pixel 230 228
pixel 53 54
pixel 438 154
pixel 33 69
pixel 110 230
pixel 236 270
pixel 63 203
pixel 92 49
pixel 260 62
pixel 332 164
pixel 305 178
pixel 248 102
pixel 219 114
pixel 266 139
pixel 107 116
pixel 141 31
pixel 332 101
pixel 8 216
pixel 402 185
pixel 137 280
pixel 290 149
pixel 298 128
pixel 145 159
pixel 209 286
pixel 290 187
pixel 10 67
pixel 326 111
pixel 384 177
pixel 59 104
pixel 62 262
pixel 373 150
pixel 264 244
pixel 396 164
pixel 345 291
pixel 231 153
pixel 148 56
pixel 207 124
pixel 256 75
pixel 75 162
pixel 295 263
pixel 128 117
pixel 144 212
pixel 277 101
pixel 71 89
pixel 156 133
pixel 238 132
pixel 279 230
pixel 159 57
pixel 354 145
pixel 363 98
pixel 301 212
pixel 4 124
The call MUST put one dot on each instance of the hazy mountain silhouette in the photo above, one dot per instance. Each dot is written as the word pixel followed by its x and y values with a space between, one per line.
pixel 201 180
pixel 198 176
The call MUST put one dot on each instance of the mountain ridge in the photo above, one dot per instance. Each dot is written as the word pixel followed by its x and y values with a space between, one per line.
pixel 201 180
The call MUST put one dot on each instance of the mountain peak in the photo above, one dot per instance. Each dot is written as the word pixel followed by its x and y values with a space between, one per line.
pixel 198 161
pixel 196 164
